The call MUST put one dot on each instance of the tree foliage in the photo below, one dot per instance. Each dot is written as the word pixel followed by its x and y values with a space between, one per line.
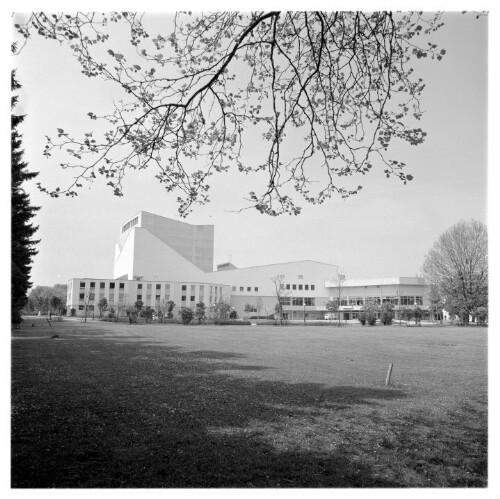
pixel 200 311
pixel 22 229
pixel 40 298
pixel 457 265
pixel 220 310
pixel 327 91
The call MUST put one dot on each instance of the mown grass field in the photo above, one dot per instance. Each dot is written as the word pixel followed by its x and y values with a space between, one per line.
pixel 115 405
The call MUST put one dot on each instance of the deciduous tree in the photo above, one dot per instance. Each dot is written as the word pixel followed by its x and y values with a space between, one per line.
pixel 327 91
pixel 457 265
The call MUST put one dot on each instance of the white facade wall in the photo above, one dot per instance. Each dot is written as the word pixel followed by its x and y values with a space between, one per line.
pixel 122 293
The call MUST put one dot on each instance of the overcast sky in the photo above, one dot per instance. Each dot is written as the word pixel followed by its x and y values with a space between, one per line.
pixel 384 231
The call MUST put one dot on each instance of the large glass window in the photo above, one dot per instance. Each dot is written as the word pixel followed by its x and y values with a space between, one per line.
pixel 309 302
pixel 297 302
pixel 407 300
pixel 356 301
pixel 82 284
pixel 102 285
pixel 419 300
pixel 122 285
pixel 284 300
pixel 111 285
pixel 158 286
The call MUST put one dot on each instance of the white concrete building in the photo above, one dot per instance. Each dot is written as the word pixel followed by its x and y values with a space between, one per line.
pixel 158 259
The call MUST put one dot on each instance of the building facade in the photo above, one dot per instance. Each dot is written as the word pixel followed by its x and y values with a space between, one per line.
pixel 158 259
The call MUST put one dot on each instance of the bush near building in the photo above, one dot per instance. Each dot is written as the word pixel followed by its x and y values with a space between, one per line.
pixel 186 315
pixel 387 314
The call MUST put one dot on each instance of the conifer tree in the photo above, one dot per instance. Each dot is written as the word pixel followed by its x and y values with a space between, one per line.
pixel 22 230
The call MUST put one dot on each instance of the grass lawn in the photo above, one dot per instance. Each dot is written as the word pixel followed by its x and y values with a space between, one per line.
pixel 114 405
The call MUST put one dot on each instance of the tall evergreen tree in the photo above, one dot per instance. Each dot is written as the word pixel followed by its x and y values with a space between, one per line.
pixel 22 230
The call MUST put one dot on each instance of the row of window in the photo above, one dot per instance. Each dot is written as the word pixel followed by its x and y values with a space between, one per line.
pixel 102 285
pixel 377 300
pixel 249 288
pixel 130 224
pixel 300 287
pixel 297 301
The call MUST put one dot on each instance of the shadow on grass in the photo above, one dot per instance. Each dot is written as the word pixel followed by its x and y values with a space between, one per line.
pixel 155 416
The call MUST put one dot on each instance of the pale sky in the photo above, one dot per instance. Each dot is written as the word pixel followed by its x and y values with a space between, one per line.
pixel 385 230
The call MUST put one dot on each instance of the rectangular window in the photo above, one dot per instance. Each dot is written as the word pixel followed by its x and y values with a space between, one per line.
pixel 139 286
pixel 343 302
pixel 111 285
pixel 158 286
pixel 233 288
pixel 157 297
pixel 82 284
pixel 149 286
pixel 111 297
pixel 92 284
pixel 256 288
pixel 288 286
pixel 249 288
pixel 297 302
pixel 312 287
pixel 356 301
pixel 80 307
pixel 300 277
pixel 91 296
pixel 306 287
pixel 300 287
pixel 419 300
pixel 184 287
pixel 242 288
pixel 284 300
pixel 122 285
pixel 407 300
pixel 294 286
pixel 139 297
pixel 82 296
pixel 309 302
pixel 192 298
pixel 183 298
pixel 202 290
pixel 102 285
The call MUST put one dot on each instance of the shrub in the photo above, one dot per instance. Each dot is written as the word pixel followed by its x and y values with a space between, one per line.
pixel 147 314
pixel 186 315
pixel 418 314
pixel 406 314
pixel 73 312
pixel 481 314
pixel 362 318
pixel 387 314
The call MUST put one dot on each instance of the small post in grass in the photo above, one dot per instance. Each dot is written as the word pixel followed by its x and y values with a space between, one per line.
pixel 389 372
